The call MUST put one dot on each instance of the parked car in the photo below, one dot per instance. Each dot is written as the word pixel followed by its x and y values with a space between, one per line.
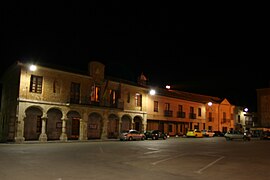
pixel 265 135
pixel 194 133
pixel 155 134
pixel 208 133
pixel 131 135
pixel 230 135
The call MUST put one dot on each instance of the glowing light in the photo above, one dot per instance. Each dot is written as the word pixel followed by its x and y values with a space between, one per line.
pixel 210 104
pixel 246 109
pixel 168 87
pixel 152 92
pixel 33 68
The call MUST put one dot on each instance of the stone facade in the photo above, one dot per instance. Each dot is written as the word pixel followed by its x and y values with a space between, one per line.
pixel 51 104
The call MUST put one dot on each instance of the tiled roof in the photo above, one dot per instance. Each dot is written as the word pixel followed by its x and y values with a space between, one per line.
pixel 189 96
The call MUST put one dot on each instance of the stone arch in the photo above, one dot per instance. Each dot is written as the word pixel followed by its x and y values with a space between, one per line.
pixel 126 123
pixel 73 125
pixel 138 125
pixel 113 126
pixel 94 126
pixel 33 122
pixel 54 124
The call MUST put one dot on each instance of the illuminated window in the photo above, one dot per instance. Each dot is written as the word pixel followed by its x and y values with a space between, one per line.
pixel 36 84
pixel 112 97
pixel 97 94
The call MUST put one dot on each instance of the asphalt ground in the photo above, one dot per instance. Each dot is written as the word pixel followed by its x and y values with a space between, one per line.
pixel 174 158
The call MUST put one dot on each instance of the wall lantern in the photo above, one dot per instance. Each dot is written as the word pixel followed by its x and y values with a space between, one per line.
pixel 32 67
pixel 152 92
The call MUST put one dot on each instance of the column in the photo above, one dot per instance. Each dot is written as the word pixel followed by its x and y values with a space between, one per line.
pixel 19 128
pixel 43 136
pixel 144 122
pixel 63 136
pixel 83 127
pixel 104 133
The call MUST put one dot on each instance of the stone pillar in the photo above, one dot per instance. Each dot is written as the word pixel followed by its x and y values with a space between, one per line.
pixel 63 136
pixel 43 136
pixel 19 128
pixel 119 126
pixel 104 133
pixel 83 127
pixel 144 122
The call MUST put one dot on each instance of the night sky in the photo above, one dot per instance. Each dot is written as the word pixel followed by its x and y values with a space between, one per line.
pixel 218 52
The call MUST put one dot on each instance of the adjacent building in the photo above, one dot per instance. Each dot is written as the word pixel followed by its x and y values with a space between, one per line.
pixel 44 103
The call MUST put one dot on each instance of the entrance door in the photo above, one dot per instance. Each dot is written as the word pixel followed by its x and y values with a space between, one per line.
pixel 75 128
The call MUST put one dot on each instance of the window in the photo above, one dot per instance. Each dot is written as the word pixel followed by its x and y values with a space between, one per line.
pixel 95 93
pixel 36 84
pixel 180 108
pixel 210 118
pixel 224 115
pixel 112 97
pixel 138 99
pixel 75 92
pixel 128 97
pixel 155 106
pixel 191 109
pixel 199 112
pixel 167 106
pixel 56 87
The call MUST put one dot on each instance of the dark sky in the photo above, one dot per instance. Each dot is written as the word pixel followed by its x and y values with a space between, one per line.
pixel 218 52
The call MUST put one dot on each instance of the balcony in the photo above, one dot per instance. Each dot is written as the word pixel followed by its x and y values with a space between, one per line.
pixel 168 113
pixel 192 116
pixel 181 114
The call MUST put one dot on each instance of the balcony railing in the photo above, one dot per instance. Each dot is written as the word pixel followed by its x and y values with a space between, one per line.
pixel 192 116
pixel 119 104
pixel 168 113
pixel 181 114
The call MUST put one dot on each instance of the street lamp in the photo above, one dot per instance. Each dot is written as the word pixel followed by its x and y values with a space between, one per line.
pixel 152 92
